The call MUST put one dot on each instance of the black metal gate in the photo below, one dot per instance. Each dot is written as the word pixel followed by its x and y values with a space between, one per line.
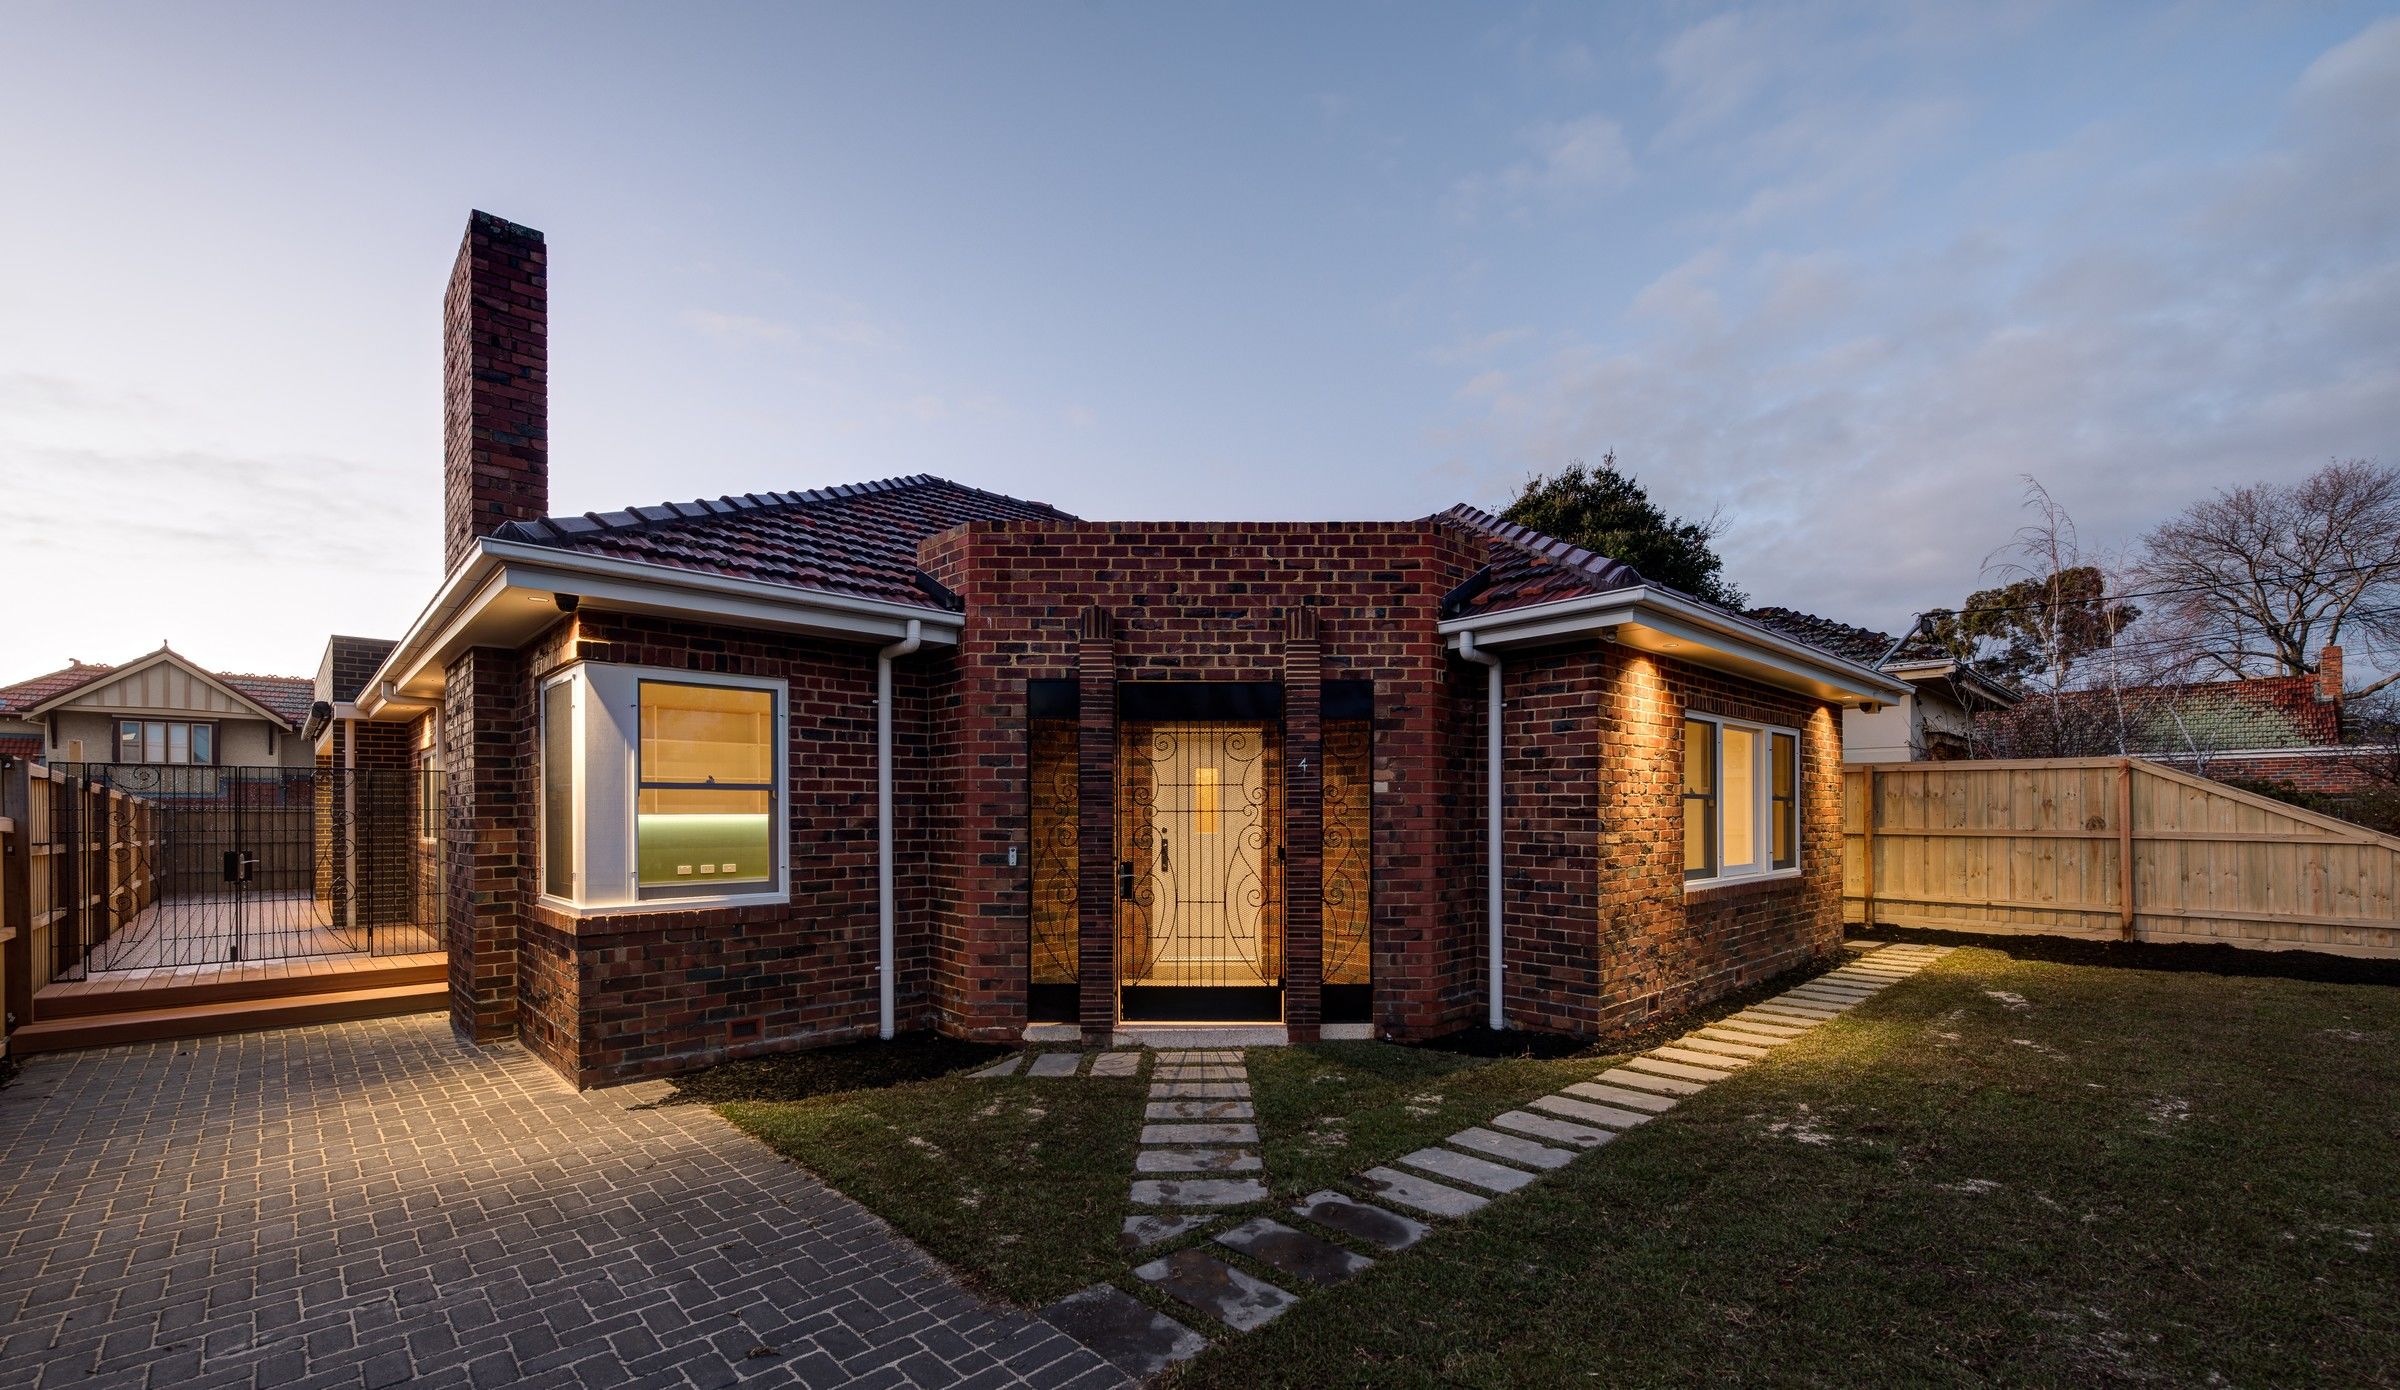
pixel 249 864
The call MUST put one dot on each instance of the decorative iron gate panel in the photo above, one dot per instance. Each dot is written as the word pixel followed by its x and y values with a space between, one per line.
pixel 260 863
pixel 1200 898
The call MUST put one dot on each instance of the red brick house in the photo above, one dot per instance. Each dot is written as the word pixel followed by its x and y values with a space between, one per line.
pixel 774 770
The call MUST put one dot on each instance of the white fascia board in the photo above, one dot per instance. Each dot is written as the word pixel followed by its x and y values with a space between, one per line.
pixel 486 601
pixel 1758 651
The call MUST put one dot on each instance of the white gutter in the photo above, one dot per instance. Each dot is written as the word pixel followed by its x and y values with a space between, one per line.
pixel 1491 814
pixel 1682 619
pixel 498 566
pixel 883 819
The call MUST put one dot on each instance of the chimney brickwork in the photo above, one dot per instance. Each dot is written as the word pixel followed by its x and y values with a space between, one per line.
pixel 495 384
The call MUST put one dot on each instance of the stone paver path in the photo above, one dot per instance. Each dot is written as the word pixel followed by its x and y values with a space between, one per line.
pixel 1455 1179
pixel 374 1203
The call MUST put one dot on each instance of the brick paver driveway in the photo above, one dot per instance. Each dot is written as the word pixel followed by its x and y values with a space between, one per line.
pixel 372 1204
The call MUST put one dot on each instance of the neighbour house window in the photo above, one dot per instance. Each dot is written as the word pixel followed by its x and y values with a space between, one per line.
pixel 1741 808
pixel 661 786
pixel 173 741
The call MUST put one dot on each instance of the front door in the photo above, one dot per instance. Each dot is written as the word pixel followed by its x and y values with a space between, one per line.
pixel 1199 872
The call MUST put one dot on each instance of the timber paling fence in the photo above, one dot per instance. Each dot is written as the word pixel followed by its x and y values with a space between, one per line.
pixel 2114 849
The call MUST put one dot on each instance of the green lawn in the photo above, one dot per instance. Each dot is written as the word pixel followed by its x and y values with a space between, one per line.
pixel 2003 1171
pixel 2000 1172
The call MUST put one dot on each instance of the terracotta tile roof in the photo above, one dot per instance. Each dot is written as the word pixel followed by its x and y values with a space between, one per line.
pixel 287 696
pixel 2205 717
pixel 24 695
pixel 860 539
pixel 26 746
pixel 1522 567
pixel 1860 644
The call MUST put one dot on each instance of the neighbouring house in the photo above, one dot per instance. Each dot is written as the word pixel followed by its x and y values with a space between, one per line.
pixel 768 771
pixel 160 709
pixel 2286 730
pixel 1934 721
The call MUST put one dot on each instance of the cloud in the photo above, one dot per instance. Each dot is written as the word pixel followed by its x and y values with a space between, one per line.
pixel 1863 415
pixel 1571 160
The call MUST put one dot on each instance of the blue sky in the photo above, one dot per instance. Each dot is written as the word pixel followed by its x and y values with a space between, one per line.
pixel 1844 272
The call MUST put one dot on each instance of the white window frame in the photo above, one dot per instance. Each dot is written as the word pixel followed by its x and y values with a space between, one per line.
pixel 1762 775
pixel 606 743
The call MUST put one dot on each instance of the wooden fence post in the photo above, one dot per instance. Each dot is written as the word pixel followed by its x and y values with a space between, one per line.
pixel 16 893
pixel 2125 848
pixel 1866 910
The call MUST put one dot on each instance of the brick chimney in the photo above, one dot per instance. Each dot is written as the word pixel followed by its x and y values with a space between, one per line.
pixel 2329 676
pixel 495 384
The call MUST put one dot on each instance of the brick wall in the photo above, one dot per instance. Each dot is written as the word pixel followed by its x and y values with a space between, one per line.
pixel 488 834
pixel 495 384
pixel 1198 602
pixel 617 996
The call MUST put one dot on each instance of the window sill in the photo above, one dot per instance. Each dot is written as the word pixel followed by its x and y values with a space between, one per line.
pixel 645 906
pixel 1693 887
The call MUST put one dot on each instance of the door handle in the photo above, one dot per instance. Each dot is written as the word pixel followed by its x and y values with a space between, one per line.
pixel 1125 879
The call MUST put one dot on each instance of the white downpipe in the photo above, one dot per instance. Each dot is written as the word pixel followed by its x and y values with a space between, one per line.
pixel 1490 662
pixel 883 819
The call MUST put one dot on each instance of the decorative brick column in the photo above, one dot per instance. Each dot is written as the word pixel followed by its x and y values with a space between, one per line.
pixel 1303 828
pixel 1096 829
pixel 489 865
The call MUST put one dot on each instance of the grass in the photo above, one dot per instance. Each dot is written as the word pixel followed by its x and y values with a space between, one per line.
pixel 1019 1184
pixel 2006 1172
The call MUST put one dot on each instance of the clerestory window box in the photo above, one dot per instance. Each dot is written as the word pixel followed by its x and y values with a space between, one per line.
pixel 661 790
pixel 1741 803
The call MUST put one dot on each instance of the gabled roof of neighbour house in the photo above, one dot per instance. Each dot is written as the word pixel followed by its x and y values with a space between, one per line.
pixel 25 746
pixel 859 539
pixel 1523 567
pixel 285 697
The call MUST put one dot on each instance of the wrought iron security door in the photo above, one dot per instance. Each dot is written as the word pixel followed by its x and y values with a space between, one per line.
pixel 1199 872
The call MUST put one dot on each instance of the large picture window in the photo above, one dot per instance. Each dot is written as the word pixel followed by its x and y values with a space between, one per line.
pixel 1741 808
pixel 661 787
pixel 707 790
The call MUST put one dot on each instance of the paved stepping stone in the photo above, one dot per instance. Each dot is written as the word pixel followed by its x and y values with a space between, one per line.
pixel 1202 1090
pixel 1372 1224
pixel 1197 1192
pixel 1758 1044
pixel 1194 1161
pixel 1683 1071
pixel 1116 1064
pixel 1173 1071
pixel 1736 1046
pixel 1651 1081
pixel 1810 1013
pixel 1511 1147
pixel 1424 1194
pixel 1205 1057
pixel 1585 1112
pixel 1055 1064
pixel 1199 1134
pixel 1207 1283
pixel 1199 1110
pixel 1620 1095
pixel 1792 1027
pixel 1716 1061
pixel 1861 979
pixel 1124 1330
pixel 1752 1028
pixel 1142 1231
pixel 1829 994
pixel 1467 1168
pixel 1554 1129
pixel 1286 1251
pixel 1004 1066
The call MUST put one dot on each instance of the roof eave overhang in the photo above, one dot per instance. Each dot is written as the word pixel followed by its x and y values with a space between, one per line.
pixel 66 698
pixel 1678 628
pixel 507 593
pixel 1967 678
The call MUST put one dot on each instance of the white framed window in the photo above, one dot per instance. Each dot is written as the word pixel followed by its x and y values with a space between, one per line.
pixel 176 742
pixel 661 789
pixel 1741 803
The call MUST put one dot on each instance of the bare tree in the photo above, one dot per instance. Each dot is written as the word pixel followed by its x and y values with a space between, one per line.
pixel 2260 579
